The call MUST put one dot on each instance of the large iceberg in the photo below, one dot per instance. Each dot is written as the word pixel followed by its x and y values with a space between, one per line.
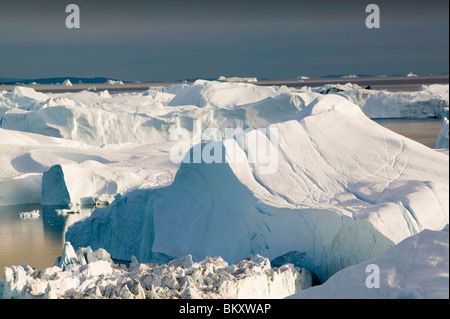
pixel 148 117
pixel 345 190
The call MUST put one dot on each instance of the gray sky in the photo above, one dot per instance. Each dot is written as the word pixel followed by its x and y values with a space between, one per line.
pixel 173 40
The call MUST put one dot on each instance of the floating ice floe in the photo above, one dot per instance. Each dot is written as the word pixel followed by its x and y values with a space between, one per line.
pixel 114 82
pixel 54 171
pixel 31 214
pixel 428 102
pixel 443 139
pixel 65 211
pixel 92 274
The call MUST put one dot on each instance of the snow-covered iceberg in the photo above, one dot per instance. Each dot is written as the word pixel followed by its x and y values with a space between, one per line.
pixel 428 101
pixel 55 171
pixel 93 274
pixel 149 117
pixel 415 268
pixel 345 190
pixel 105 123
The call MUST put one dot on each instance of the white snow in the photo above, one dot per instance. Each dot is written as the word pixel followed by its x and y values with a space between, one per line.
pixel 149 117
pixel 92 274
pixel 415 268
pixel 74 172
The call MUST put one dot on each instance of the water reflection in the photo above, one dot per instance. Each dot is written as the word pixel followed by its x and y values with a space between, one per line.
pixel 35 241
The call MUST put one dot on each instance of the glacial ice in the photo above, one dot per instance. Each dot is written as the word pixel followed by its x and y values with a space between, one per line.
pixel 428 101
pixel 148 117
pixel 54 171
pixel 415 268
pixel 98 119
pixel 102 123
pixel 93 274
pixel 345 189
pixel 442 141
pixel 327 209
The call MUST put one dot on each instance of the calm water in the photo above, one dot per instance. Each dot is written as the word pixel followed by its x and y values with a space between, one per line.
pixel 39 241
pixel 425 131
pixel 36 241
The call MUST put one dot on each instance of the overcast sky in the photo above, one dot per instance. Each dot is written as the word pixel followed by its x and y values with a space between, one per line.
pixel 174 40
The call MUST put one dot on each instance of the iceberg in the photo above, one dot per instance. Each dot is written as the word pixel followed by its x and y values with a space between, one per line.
pixel 322 209
pixel 442 140
pixel 67 83
pixel 55 171
pixel 416 268
pixel 428 102
pixel 114 82
pixel 237 79
pixel 149 117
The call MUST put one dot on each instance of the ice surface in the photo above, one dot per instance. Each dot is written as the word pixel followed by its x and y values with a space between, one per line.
pixel 54 171
pixel 149 117
pixel 442 141
pixel 415 268
pixel 98 119
pixel 429 101
pixel 92 274
pixel 344 189
pixel 321 209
